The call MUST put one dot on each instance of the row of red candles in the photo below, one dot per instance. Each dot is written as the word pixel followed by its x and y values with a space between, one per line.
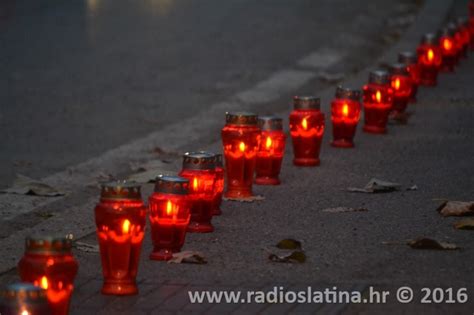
pixel 251 145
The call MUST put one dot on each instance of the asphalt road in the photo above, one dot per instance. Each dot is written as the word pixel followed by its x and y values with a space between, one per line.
pixel 80 77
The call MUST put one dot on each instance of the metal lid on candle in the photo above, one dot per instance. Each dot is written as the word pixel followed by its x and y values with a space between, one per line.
pixel 270 123
pixel 429 39
pixel 219 160
pixel 175 185
pixel 379 77
pixel 121 189
pixel 48 244
pixel 241 118
pixel 200 160
pixel 347 93
pixel 306 102
pixel 23 293
pixel 407 58
pixel 398 68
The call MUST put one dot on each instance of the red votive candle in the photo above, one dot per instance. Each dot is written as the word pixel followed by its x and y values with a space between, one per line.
pixel 240 138
pixel 410 60
pixel 463 36
pixel 270 153
pixel 306 130
pixel 120 219
pixel 377 98
pixel 219 185
pixel 429 59
pixel 448 48
pixel 24 299
pixel 345 114
pixel 169 216
pixel 199 169
pixel 48 263
pixel 401 84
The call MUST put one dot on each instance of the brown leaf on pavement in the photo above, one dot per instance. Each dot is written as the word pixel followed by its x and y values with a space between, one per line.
pixel 88 248
pixel 428 243
pixel 466 224
pixel 246 199
pixel 456 208
pixel 188 257
pixel 24 185
pixel 376 186
pixel 344 209
pixel 289 243
pixel 297 256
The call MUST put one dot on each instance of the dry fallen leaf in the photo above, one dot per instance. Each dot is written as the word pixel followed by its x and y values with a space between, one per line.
pixel 330 77
pixel 246 199
pixel 428 243
pixel 297 256
pixel 88 248
pixel 456 208
pixel 188 257
pixel 414 187
pixel 24 185
pixel 289 243
pixel 466 224
pixel 376 186
pixel 344 209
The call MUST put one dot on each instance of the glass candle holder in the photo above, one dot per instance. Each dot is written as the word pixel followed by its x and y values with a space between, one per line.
pixel 345 114
pixel 169 216
pixel 49 264
pixel 241 139
pixel 306 130
pixel 199 169
pixel 120 218
pixel 24 299
pixel 410 60
pixel 448 48
pixel 270 153
pixel 429 59
pixel 377 98
pixel 219 185
pixel 463 36
pixel 401 84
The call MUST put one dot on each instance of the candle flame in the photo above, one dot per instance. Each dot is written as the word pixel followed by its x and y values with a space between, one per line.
pixel 345 110
pixel 195 183
pixel 242 146
pixel 126 226
pixel 304 124
pixel 44 282
pixel 268 143
pixel 169 207
pixel 396 84
pixel 25 312
pixel 378 96
pixel 430 55
pixel 447 44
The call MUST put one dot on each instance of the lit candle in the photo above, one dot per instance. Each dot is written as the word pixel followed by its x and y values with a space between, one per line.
pixel 429 59
pixel 345 114
pixel 377 101
pixel 410 60
pixel 169 216
pixel 24 299
pixel 306 130
pixel 448 47
pixel 120 219
pixel 49 264
pixel 219 185
pixel 401 84
pixel 271 150
pixel 240 138
pixel 199 169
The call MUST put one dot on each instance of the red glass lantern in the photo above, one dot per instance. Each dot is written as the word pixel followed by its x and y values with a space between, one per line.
pixel 345 114
pixel 120 218
pixel 448 49
pixel 199 169
pixel 24 299
pixel 49 264
pixel 270 153
pixel 240 138
pixel 219 185
pixel 410 60
pixel 462 36
pixel 377 99
pixel 169 216
pixel 401 83
pixel 306 130
pixel 429 59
